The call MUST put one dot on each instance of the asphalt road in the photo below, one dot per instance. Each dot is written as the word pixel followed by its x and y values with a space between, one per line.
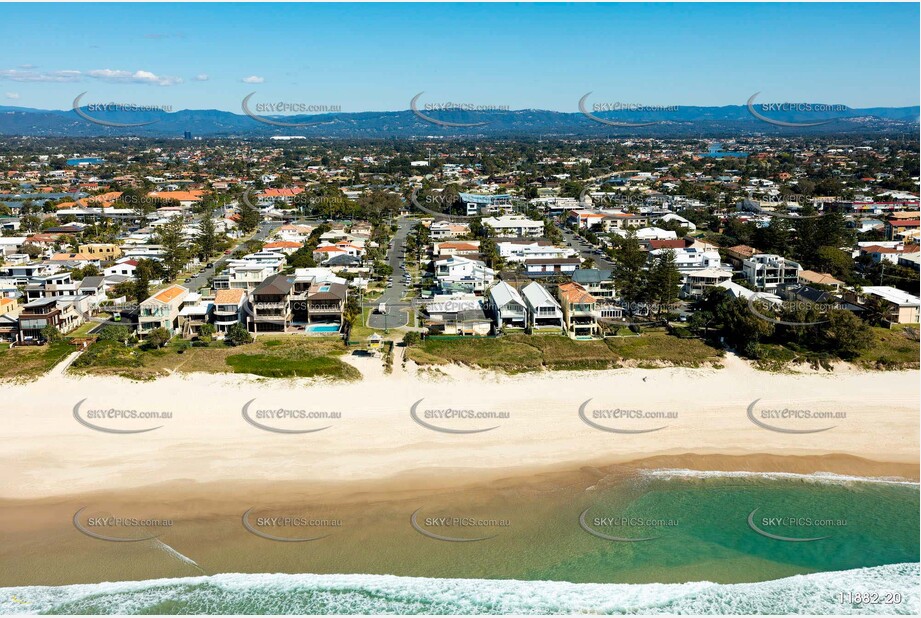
pixel 397 311
pixel 201 280
pixel 585 250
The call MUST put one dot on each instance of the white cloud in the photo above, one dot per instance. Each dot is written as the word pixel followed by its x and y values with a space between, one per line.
pixel 202 77
pixel 12 95
pixel 15 75
pixel 138 77
pixel 107 75
pixel 253 79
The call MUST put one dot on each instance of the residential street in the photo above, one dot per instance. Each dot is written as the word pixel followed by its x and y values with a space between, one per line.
pixel 586 250
pixel 201 279
pixel 397 311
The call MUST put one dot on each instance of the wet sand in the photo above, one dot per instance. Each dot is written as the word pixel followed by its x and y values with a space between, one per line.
pixel 358 527
pixel 373 465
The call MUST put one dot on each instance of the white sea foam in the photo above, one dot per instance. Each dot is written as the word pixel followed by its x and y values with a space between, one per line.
pixel 354 594
pixel 816 477
pixel 175 554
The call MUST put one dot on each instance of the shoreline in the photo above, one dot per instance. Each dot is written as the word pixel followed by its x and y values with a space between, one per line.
pixel 831 469
pixel 382 431
pixel 536 451
pixel 205 535
pixel 809 594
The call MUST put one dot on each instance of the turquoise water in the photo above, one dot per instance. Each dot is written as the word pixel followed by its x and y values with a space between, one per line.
pixel 701 525
pixel 322 328
pixel 705 532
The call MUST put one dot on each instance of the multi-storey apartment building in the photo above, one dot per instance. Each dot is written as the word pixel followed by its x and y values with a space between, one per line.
pixel 766 272
pixel 270 304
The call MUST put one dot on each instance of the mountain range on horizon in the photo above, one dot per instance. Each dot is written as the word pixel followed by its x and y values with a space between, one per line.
pixel 680 121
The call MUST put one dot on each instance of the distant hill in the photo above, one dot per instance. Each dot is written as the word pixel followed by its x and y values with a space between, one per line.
pixel 685 121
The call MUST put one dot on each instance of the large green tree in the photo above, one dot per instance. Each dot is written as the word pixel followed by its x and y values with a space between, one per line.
pixel 630 275
pixel 664 282
pixel 175 248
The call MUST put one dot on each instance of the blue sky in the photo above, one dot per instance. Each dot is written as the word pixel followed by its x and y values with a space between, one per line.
pixel 366 57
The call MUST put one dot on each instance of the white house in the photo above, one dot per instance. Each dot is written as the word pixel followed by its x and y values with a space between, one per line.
pixel 515 225
pixel 738 291
pixel 440 230
pixel 655 233
pixel 124 267
pixel 551 267
pixel 680 220
pixel 507 306
pixel 457 273
pixel 544 312
pixel 900 307
pixel 699 268
pixel 457 314
pixel 521 250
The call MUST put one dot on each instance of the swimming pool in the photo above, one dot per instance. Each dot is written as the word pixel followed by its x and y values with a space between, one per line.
pixel 322 328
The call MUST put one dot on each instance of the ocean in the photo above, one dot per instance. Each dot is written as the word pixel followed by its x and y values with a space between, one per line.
pixel 658 541
pixel 382 594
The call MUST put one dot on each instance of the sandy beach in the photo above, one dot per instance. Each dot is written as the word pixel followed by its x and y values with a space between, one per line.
pixel 379 449
pixel 368 434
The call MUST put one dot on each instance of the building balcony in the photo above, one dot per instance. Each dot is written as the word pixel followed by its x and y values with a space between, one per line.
pixel 271 315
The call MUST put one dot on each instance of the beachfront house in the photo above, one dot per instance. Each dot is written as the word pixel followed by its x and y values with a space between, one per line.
pixel 507 306
pixel 544 312
pixel 162 310
pixel 578 310
pixel 228 309
pixel 457 314
pixel 326 302
pixel 61 312
pixel 195 312
pixel 270 305
pixel 899 307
